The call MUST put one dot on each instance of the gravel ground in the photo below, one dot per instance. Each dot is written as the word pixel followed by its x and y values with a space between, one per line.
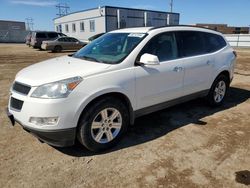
pixel 189 145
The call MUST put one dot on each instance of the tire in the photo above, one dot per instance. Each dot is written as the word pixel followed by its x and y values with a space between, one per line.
pixel 98 133
pixel 57 49
pixel 218 91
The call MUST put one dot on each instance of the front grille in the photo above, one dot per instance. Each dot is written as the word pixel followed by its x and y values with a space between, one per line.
pixel 21 88
pixel 16 104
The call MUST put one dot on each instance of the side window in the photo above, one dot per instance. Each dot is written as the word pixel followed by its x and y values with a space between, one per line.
pixel 73 27
pixel 92 25
pixel 214 42
pixel 82 26
pixel 73 40
pixel 61 40
pixel 190 43
pixel 41 35
pixel 66 28
pixel 52 35
pixel 163 46
pixel 67 39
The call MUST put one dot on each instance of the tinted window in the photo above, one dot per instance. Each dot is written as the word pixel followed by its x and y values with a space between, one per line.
pixel 41 35
pixel 52 35
pixel 214 42
pixel 163 46
pixel 190 43
pixel 61 40
pixel 73 40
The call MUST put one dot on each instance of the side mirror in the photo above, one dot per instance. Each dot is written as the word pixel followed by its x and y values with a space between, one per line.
pixel 149 59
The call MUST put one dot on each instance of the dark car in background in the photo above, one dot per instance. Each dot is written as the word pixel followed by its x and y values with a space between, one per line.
pixel 90 39
pixel 39 36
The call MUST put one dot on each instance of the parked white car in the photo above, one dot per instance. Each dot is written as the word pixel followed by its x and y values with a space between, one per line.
pixel 94 95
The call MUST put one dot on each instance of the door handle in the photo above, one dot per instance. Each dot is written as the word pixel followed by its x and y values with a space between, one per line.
pixel 177 69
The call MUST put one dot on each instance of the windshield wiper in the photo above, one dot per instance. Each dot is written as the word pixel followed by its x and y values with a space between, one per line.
pixel 90 58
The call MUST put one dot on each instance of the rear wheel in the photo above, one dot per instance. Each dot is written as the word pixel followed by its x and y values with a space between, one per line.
pixel 103 124
pixel 57 49
pixel 218 91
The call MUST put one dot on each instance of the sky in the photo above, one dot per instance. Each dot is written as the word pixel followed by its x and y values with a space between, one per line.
pixel 231 12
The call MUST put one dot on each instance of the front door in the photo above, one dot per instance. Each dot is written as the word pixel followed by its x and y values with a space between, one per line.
pixel 159 83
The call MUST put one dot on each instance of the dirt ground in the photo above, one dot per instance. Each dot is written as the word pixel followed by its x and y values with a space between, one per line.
pixel 189 145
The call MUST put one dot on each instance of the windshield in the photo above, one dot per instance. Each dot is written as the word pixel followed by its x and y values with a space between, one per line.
pixel 110 48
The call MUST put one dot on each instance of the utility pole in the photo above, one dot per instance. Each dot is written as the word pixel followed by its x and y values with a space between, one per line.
pixel 171 5
pixel 63 9
pixel 29 23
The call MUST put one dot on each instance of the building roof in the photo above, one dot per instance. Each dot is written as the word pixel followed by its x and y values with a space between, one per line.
pixel 12 21
pixel 162 12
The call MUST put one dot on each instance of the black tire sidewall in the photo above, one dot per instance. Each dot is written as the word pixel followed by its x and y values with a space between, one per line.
pixel 57 49
pixel 84 128
pixel 211 99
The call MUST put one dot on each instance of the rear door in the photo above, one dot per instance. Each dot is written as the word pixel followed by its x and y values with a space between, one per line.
pixel 64 43
pixel 197 62
pixel 40 37
pixel 75 44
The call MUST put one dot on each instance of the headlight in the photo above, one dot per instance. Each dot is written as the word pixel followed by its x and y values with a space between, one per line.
pixel 59 89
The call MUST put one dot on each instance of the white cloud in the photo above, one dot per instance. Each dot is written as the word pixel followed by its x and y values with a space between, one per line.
pixel 41 3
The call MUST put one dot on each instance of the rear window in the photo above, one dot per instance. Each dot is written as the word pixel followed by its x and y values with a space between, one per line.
pixel 214 42
pixel 41 35
pixel 52 35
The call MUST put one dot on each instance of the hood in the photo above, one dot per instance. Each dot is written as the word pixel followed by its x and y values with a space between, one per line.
pixel 58 69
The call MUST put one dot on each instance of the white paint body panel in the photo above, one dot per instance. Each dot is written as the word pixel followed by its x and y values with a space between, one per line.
pixel 143 86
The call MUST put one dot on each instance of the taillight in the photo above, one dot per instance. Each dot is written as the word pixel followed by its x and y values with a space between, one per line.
pixel 235 53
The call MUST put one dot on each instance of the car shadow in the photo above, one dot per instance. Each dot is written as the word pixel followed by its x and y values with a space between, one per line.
pixel 158 124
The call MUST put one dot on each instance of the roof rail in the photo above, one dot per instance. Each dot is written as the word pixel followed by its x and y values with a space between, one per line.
pixel 195 26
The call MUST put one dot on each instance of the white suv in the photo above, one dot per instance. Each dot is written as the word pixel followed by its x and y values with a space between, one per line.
pixel 96 93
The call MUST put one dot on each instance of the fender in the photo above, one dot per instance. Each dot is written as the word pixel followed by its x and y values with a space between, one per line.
pixel 97 93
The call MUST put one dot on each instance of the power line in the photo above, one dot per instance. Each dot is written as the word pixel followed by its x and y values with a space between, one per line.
pixel 63 9
pixel 29 23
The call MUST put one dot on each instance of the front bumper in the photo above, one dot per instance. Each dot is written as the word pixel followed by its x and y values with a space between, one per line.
pixel 58 138
pixel 46 47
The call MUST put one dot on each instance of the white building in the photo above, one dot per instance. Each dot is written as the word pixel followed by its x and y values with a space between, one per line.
pixel 84 24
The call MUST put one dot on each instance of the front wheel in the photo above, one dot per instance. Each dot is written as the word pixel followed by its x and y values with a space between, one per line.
pixel 103 124
pixel 218 91
pixel 57 49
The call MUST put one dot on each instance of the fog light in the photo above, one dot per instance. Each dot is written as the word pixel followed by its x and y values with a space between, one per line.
pixel 44 120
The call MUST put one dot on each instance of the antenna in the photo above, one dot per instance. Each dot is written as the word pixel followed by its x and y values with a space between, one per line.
pixel 171 5
pixel 63 9
pixel 29 23
pixel 100 10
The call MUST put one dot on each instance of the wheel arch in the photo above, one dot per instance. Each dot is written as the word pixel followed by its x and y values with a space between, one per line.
pixel 118 95
pixel 222 72
pixel 225 73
